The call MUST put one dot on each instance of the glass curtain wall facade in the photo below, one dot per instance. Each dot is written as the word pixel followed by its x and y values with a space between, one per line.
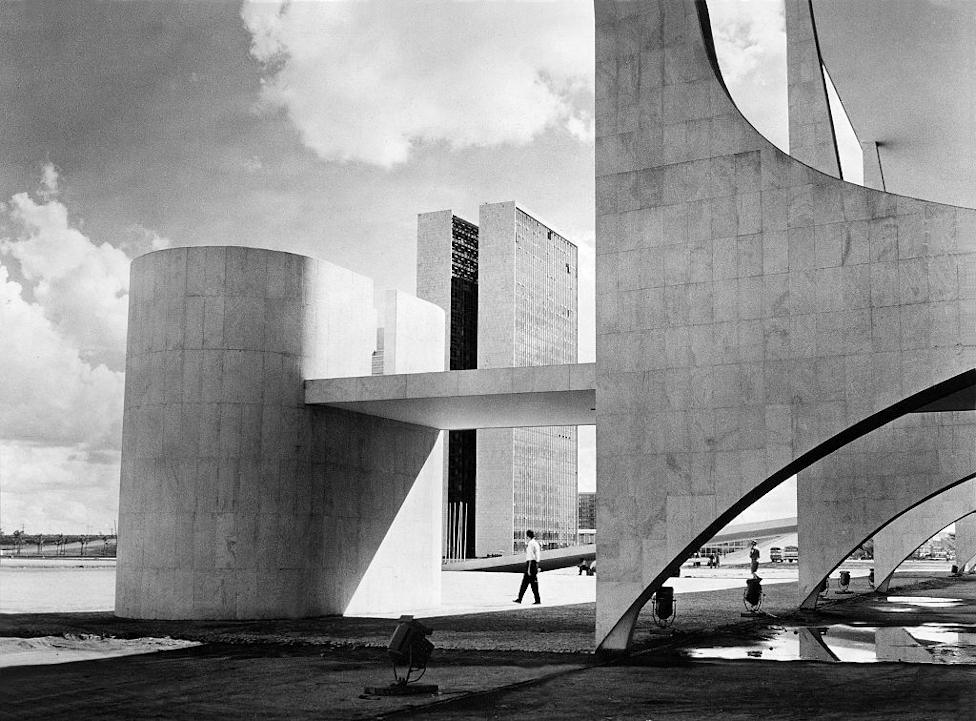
pixel 528 316
pixel 463 349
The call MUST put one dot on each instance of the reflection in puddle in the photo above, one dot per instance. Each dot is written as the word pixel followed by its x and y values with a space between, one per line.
pixel 931 643
pixel 925 601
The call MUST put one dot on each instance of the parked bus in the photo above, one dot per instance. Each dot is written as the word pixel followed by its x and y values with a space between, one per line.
pixel 791 554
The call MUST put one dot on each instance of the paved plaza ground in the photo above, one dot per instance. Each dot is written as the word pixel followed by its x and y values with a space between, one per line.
pixel 531 662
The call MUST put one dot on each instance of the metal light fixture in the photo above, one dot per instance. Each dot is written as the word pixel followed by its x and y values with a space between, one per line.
pixel 409 648
pixel 665 607
pixel 752 597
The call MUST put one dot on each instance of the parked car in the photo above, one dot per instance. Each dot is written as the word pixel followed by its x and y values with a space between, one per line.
pixel 776 554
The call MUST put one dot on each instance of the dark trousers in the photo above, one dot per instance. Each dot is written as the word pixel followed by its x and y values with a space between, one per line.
pixel 530 578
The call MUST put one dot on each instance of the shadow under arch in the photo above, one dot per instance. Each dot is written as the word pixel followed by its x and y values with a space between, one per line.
pixel 810 600
pixel 883 585
pixel 959 384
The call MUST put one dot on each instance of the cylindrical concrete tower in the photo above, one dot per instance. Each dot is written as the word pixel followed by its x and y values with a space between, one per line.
pixel 214 516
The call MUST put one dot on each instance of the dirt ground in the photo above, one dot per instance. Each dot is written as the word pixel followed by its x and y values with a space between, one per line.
pixel 531 663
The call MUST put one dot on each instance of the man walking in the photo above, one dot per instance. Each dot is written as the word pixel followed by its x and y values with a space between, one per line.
pixel 533 554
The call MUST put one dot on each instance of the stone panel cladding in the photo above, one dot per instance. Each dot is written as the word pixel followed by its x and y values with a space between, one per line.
pixel 236 499
pixel 898 540
pixel 832 509
pixel 752 313
pixel 903 467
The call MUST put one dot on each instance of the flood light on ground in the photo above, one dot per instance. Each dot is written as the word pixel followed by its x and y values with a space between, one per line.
pixel 410 649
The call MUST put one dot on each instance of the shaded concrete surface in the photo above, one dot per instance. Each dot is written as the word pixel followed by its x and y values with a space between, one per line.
pixel 318 668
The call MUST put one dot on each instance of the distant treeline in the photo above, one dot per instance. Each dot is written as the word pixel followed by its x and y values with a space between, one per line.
pixel 57 544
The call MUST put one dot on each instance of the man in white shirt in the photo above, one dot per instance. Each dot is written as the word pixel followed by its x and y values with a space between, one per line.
pixel 533 554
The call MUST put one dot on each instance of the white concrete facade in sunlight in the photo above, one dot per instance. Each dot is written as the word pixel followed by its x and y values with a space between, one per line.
pixel 756 319
pixel 754 315
pixel 843 498
pixel 237 499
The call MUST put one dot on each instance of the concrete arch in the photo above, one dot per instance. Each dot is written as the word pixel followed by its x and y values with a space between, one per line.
pixel 882 489
pixel 966 544
pixel 894 543
pixel 753 314
pixel 845 498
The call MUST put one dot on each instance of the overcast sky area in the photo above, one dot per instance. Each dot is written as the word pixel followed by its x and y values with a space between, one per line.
pixel 315 128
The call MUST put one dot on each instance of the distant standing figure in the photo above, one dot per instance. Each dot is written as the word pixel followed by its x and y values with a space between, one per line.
pixel 754 559
pixel 533 554
pixel 583 567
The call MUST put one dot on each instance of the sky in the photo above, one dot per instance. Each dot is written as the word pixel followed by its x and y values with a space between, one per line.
pixel 316 128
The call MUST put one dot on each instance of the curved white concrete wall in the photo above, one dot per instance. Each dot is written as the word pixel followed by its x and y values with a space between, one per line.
pixel 237 500
pixel 750 309
pixel 899 539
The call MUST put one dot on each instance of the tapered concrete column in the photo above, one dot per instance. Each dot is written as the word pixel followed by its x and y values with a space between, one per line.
pixel 237 500
pixel 871 158
pixel 899 539
pixel 966 543
pixel 812 137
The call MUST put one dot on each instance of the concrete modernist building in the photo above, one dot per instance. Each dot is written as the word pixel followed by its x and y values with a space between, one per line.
pixel 509 288
pixel 527 316
pixel 239 500
pixel 754 315
pixel 756 319
pixel 910 460
pixel 447 275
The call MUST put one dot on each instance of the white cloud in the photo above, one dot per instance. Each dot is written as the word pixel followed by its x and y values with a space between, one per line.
pixel 63 308
pixel 747 33
pixel 49 182
pixel 48 393
pixel 53 489
pixel 369 81
pixel 79 286
pixel 750 42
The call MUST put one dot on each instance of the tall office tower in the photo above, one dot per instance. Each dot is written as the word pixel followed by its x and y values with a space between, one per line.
pixel 527 315
pixel 447 274
pixel 509 293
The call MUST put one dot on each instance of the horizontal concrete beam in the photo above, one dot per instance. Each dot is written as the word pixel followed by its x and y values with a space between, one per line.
pixel 559 395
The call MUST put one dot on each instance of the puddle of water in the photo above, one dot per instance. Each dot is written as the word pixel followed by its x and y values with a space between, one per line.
pixel 930 643
pixel 925 601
